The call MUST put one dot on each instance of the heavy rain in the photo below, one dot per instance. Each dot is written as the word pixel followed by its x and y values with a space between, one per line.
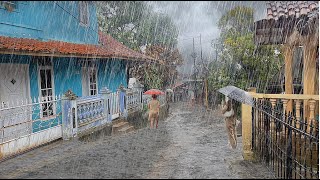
pixel 159 89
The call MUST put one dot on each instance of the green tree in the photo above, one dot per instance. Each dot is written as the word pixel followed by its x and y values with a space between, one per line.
pixel 136 25
pixel 241 63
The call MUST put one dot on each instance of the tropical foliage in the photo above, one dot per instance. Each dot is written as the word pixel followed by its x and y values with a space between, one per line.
pixel 136 25
pixel 156 76
pixel 240 62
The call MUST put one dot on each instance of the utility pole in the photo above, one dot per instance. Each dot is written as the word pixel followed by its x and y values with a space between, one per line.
pixel 202 71
pixel 201 49
pixel 194 71
pixel 194 58
pixel 216 51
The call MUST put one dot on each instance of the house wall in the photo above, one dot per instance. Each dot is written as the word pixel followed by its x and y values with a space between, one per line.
pixel 67 75
pixel 111 74
pixel 31 19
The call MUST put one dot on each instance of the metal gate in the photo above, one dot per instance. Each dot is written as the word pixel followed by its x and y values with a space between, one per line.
pixel 289 146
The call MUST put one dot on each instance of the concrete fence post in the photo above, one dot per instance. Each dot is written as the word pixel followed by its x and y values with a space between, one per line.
pixel 106 96
pixel 123 102
pixel 246 115
pixel 139 88
pixel 69 115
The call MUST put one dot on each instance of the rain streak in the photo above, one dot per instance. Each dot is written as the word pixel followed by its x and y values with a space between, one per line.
pixel 159 89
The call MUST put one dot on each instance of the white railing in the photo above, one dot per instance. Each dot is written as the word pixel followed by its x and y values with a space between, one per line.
pixel 133 99
pixel 22 118
pixel 90 109
pixel 115 104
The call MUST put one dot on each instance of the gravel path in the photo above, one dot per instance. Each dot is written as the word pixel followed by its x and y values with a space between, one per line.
pixel 190 143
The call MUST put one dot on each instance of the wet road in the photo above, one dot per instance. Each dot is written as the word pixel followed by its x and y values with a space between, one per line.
pixel 190 143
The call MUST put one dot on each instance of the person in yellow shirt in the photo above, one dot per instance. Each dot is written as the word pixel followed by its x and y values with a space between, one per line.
pixel 154 110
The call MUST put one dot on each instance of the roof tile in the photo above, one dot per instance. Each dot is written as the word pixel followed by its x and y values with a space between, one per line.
pixel 110 48
pixel 276 9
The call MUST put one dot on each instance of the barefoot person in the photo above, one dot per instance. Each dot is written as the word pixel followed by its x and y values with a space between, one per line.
pixel 154 110
pixel 228 113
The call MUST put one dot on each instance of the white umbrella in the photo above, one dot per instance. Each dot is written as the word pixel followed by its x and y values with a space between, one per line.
pixel 237 94
pixel 169 90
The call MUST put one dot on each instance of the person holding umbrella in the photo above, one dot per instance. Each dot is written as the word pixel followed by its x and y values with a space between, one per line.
pixel 239 95
pixel 154 110
pixel 228 113
pixel 154 106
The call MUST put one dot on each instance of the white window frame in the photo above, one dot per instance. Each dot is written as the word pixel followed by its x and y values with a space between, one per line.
pixel 46 67
pixel 90 69
pixel 84 13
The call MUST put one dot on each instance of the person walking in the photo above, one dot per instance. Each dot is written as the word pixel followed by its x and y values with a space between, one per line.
pixel 230 120
pixel 154 110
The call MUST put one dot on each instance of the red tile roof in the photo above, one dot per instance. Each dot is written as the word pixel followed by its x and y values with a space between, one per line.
pixel 277 9
pixel 285 17
pixel 110 48
pixel 118 49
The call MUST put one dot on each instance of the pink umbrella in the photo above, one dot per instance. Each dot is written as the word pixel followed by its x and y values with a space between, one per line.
pixel 154 91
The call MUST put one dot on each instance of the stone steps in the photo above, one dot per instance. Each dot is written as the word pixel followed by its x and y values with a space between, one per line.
pixel 121 126
pixel 126 129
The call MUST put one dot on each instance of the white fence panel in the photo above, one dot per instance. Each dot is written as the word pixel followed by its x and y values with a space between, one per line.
pixel 27 124
pixel 115 104
pixel 25 117
pixel 133 99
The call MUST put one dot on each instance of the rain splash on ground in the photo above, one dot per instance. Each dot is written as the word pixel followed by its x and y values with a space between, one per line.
pixel 190 143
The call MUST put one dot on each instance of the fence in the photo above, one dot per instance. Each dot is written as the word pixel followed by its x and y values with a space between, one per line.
pixel 115 104
pixel 287 143
pixel 134 100
pixel 27 123
pixel 85 113
pixel 89 110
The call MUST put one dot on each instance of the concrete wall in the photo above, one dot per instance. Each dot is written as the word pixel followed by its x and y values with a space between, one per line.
pixel 96 133
pixel 24 143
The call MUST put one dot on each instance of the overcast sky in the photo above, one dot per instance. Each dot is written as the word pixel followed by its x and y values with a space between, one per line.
pixel 200 17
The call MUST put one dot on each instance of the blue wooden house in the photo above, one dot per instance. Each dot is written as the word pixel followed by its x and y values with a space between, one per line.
pixel 49 47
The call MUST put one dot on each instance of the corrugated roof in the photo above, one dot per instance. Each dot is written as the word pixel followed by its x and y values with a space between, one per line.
pixel 109 48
